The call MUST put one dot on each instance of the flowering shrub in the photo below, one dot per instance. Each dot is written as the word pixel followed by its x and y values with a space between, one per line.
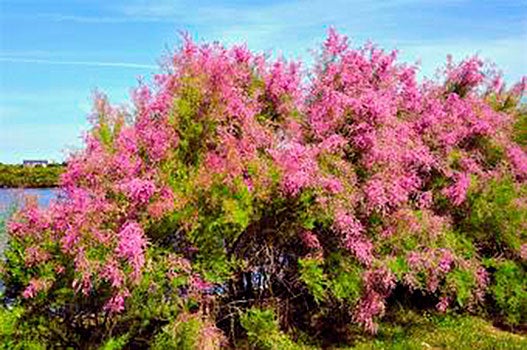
pixel 237 183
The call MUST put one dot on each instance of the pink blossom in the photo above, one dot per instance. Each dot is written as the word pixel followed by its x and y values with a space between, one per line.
pixel 368 308
pixel 35 255
pixel 298 165
pixel 466 75
pixel 157 137
pixel 446 261
pixel 523 252
pixel 131 246
pixel 127 141
pixel 140 191
pixel 425 200
pixel 332 185
pixel 376 195
pixel 310 240
pixel 83 282
pixel 199 284
pixel 482 277
pixel 163 204
pixel 518 159
pixel 353 238
pixel 432 282
pixel 35 285
pixel 113 274
pixel 458 191
pixel 116 303
pixel 335 43
pixel 333 143
pixel 443 304
pixel 378 285
pixel 414 260
pixel 361 247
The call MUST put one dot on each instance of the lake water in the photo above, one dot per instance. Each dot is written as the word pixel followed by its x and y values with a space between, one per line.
pixel 12 197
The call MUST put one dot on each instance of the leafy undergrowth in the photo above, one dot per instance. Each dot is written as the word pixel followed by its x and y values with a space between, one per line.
pixel 404 329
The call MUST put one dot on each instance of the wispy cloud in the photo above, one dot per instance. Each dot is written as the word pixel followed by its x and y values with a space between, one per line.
pixel 118 18
pixel 128 35
pixel 507 53
pixel 78 63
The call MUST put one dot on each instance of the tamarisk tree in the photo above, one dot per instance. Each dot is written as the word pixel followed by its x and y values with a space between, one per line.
pixel 244 198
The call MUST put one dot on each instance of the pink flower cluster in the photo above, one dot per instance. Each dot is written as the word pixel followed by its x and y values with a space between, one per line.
pixel 518 159
pixel 354 239
pixel 458 191
pixel 378 285
pixel 139 191
pixel 310 240
pixel 35 285
pixel 131 246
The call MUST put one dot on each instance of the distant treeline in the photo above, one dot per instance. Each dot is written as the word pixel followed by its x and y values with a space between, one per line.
pixel 25 176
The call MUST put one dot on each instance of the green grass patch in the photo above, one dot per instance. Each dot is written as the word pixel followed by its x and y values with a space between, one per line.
pixel 413 331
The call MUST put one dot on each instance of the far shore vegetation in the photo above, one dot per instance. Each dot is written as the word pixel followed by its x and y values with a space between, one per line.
pixel 20 176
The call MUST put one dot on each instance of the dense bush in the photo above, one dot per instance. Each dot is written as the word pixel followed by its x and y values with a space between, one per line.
pixel 23 176
pixel 249 201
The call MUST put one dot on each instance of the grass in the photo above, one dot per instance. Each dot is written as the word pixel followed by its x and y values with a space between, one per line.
pixel 405 330
pixel 412 331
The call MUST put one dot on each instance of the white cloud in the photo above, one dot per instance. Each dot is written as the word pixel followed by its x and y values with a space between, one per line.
pixel 79 63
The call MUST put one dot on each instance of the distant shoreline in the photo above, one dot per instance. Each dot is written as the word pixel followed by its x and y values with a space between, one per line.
pixel 23 177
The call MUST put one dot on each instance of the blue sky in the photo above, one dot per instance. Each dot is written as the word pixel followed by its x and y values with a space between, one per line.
pixel 53 54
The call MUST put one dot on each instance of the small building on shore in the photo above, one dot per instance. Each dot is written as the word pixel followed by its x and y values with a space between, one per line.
pixel 35 162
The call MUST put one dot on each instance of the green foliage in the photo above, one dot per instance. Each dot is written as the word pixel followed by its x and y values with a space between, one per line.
pixel 495 218
pixel 398 267
pixel 154 302
pixel 115 343
pixel 312 274
pixel 509 291
pixel 520 127
pixel 463 282
pixel 181 336
pixel 192 124
pixel 188 332
pixel 342 279
pixel 347 284
pixel 15 333
pixel 24 176
pixel 264 332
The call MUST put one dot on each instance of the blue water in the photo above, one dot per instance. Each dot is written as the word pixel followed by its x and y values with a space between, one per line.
pixel 13 197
